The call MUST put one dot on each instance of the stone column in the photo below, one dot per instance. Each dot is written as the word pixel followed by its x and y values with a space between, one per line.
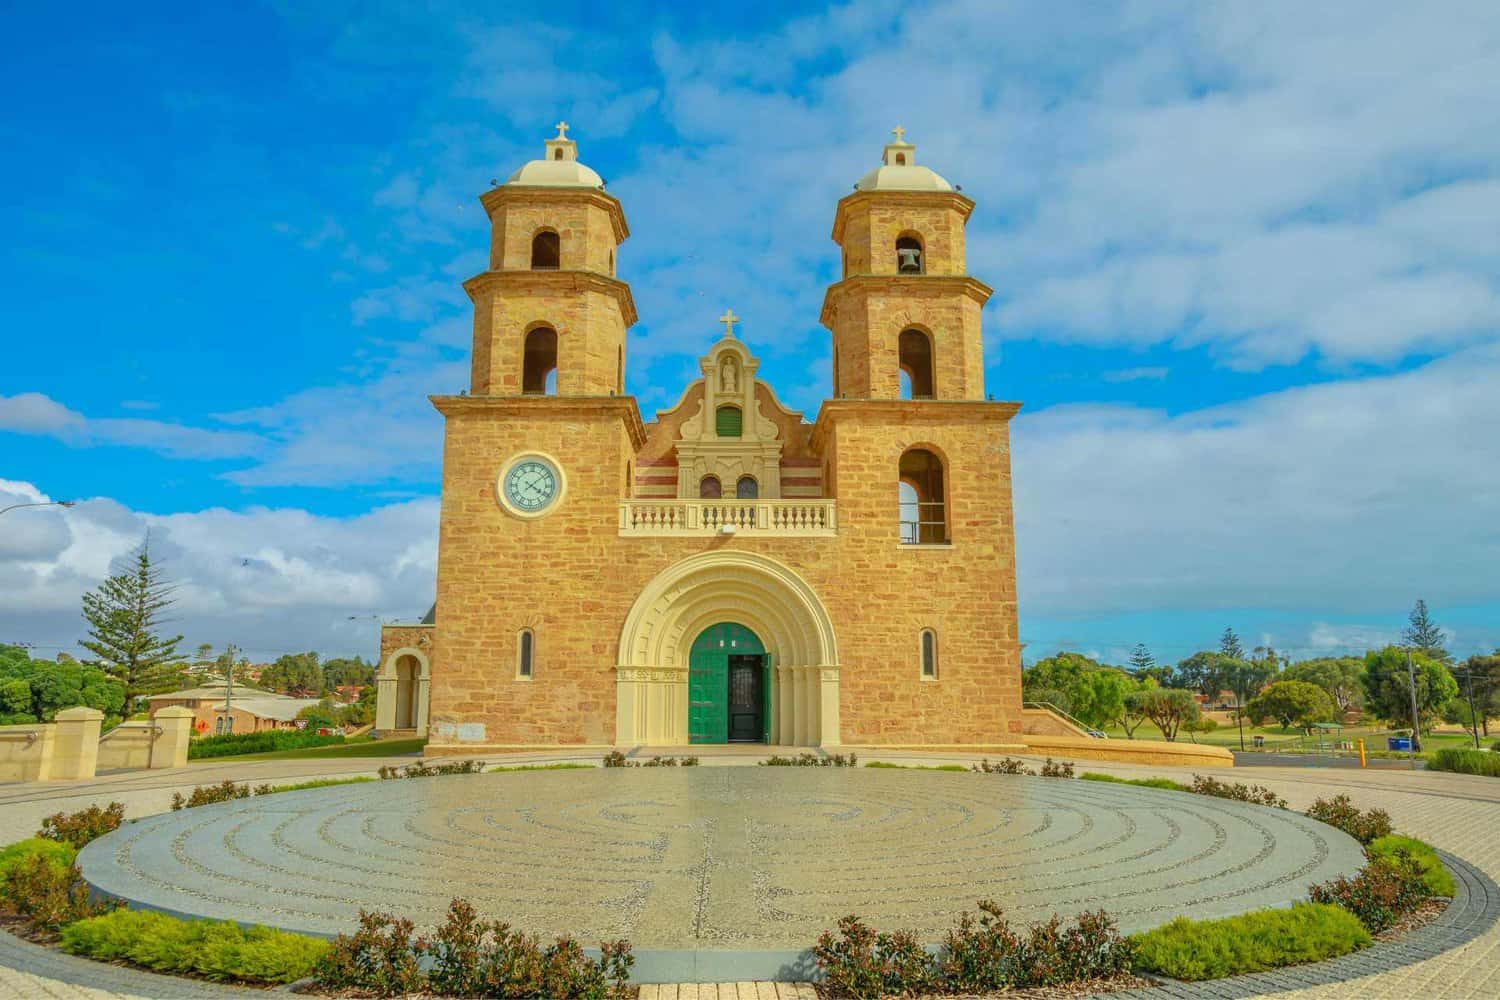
pixel 170 748
pixel 786 705
pixel 807 721
pixel 75 750
pixel 828 714
pixel 420 720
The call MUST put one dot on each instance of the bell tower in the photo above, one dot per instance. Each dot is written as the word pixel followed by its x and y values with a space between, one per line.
pixel 905 304
pixel 549 314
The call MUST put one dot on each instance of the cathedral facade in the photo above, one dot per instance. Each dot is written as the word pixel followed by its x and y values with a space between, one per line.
pixel 729 571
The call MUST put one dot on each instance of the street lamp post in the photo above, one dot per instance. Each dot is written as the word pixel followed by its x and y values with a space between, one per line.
pixel 41 503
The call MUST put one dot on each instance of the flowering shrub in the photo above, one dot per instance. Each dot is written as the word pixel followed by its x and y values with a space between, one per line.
pixel 1060 769
pixel 423 770
pixel 469 957
pixel 205 795
pixel 1362 826
pixel 1006 765
pixel 1384 891
pixel 81 827
pixel 1260 795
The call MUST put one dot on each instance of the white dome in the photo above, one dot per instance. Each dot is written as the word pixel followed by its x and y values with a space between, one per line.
pixel 903 179
pixel 556 173
pixel 558 167
pixel 899 170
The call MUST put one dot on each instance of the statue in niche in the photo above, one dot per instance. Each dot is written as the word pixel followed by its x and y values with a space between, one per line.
pixel 729 380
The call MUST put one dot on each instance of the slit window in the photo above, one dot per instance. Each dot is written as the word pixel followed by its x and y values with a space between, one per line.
pixel 525 653
pixel 929 654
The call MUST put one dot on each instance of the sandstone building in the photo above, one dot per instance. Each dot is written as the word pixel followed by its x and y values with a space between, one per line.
pixel 727 571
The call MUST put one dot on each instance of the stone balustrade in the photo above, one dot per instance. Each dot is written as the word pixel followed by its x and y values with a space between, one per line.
pixel 711 517
pixel 70 748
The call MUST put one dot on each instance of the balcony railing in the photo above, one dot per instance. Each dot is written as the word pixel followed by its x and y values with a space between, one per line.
pixel 712 517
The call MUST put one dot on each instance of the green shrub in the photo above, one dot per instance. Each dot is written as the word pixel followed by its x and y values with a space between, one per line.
pixel 1342 813
pixel 83 826
pixel 216 949
pixel 1465 761
pixel 1252 942
pixel 468 957
pixel 859 962
pixel 614 758
pixel 811 760
pixel 1059 769
pixel 887 765
pixel 1204 785
pixel 59 853
pixel 267 741
pixel 205 795
pixel 425 770
pixel 987 955
pixel 48 895
pixel 316 783
pixel 1166 783
pixel 1005 765
pixel 1437 878
pixel 1384 891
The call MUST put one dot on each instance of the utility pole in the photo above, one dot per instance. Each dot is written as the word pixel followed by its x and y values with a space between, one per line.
pixel 229 690
pixel 1411 680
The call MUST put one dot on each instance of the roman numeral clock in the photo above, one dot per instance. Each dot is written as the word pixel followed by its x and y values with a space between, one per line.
pixel 530 485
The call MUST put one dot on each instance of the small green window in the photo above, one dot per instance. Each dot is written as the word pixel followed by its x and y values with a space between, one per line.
pixel 728 422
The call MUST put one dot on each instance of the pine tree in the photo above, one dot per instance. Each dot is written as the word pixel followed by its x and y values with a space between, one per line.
pixel 1229 645
pixel 1141 659
pixel 1422 633
pixel 124 616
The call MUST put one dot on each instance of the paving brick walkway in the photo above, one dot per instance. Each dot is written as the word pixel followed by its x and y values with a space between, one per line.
pixel 1457 813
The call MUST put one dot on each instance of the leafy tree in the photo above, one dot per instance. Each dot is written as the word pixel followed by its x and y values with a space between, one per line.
pixel 1245 678
pixel 1387 688
pixel 1292 702
pixel 1478 680
pixel 36 690
pixel 124 617
pixel 1050 696
pixel 1340 677
pixel 362 712
pixel 1167 708
pixel 1102 697
pixel 1081 686
pixel 319 716
pixel 1422 633
pixel 1141 660
pixel 1059 672
pixel 296 674
pixel 1200 672
pixel 1229 645
pixel 1132 714
pixel 342 671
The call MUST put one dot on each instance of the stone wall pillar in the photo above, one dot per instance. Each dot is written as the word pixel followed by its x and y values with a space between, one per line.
pixel 419 720
pixel 75 750
pixel 786 701
pixel 171 746
pixel 828 707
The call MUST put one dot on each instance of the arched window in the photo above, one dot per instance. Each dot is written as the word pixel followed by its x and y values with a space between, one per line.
pixel 929 654
pixel 747 488
pixel 923 513
pixel 909 256
pixel 546 251
pixel 557 154
pixel 525 654
pixel 915 358
pixel 539 362
pixel 709 488
pixel 728 422
pixel 900 159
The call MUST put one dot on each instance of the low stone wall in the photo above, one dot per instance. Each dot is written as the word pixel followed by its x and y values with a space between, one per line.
pixel 1130 751
pixel 1045 722
pixel 70 748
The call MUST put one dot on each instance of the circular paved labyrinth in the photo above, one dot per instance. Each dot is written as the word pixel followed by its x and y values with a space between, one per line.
pixel 741 858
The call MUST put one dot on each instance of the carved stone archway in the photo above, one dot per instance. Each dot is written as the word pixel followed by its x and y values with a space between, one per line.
pixel 764 595
pixel 387 694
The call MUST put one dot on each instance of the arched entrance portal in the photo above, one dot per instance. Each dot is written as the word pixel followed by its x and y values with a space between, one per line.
pixel 729 687
pixel 401 691
pixel 765 600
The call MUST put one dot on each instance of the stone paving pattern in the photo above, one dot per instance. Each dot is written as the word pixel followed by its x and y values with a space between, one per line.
pixel 719 857
pixel 1458 813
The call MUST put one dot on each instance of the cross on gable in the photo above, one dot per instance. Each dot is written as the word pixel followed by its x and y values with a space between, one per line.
pixel 562 130
pixel 899 133
pixel 729 319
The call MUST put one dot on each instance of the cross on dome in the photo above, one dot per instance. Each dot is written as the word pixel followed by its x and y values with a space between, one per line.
pixel 729 319
pixel 899 133
pixel 562 130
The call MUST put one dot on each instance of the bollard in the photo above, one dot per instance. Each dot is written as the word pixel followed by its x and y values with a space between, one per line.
pixel 1361 745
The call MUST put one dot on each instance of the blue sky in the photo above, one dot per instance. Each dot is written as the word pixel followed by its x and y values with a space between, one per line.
pixel 1245 261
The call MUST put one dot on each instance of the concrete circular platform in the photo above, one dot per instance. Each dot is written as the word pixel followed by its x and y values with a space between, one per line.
pixel 750 861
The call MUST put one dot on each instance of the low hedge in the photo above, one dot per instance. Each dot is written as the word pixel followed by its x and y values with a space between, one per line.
pixel 1434 875
pixel 1482 762
pixel 1165 783
pixel 1252 942
pixel 234 744
pixel 59 853
pixel 215 949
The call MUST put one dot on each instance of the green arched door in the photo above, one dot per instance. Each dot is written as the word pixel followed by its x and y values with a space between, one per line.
pixel 729 686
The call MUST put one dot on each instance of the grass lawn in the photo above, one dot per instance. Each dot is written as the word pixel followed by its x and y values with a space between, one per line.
pixel 358 748
pixel 1276 738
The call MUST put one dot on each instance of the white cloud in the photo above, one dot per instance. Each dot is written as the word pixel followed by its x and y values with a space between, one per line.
pixel 1346 497
pixel 1153 373
pixel 271 581
pixel 35 413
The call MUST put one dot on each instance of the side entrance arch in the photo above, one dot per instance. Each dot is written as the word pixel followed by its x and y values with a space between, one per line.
pixel 674 628
pixel 401 692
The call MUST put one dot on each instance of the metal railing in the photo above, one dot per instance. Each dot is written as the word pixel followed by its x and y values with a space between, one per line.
pixel 710 517
pixel 923 522
pixel 1048 706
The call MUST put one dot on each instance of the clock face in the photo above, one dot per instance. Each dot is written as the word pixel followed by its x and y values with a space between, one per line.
pixel 531 485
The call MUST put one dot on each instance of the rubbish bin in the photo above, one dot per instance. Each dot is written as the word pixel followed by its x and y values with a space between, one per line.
pixel 1260 741
pixel 1402 743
